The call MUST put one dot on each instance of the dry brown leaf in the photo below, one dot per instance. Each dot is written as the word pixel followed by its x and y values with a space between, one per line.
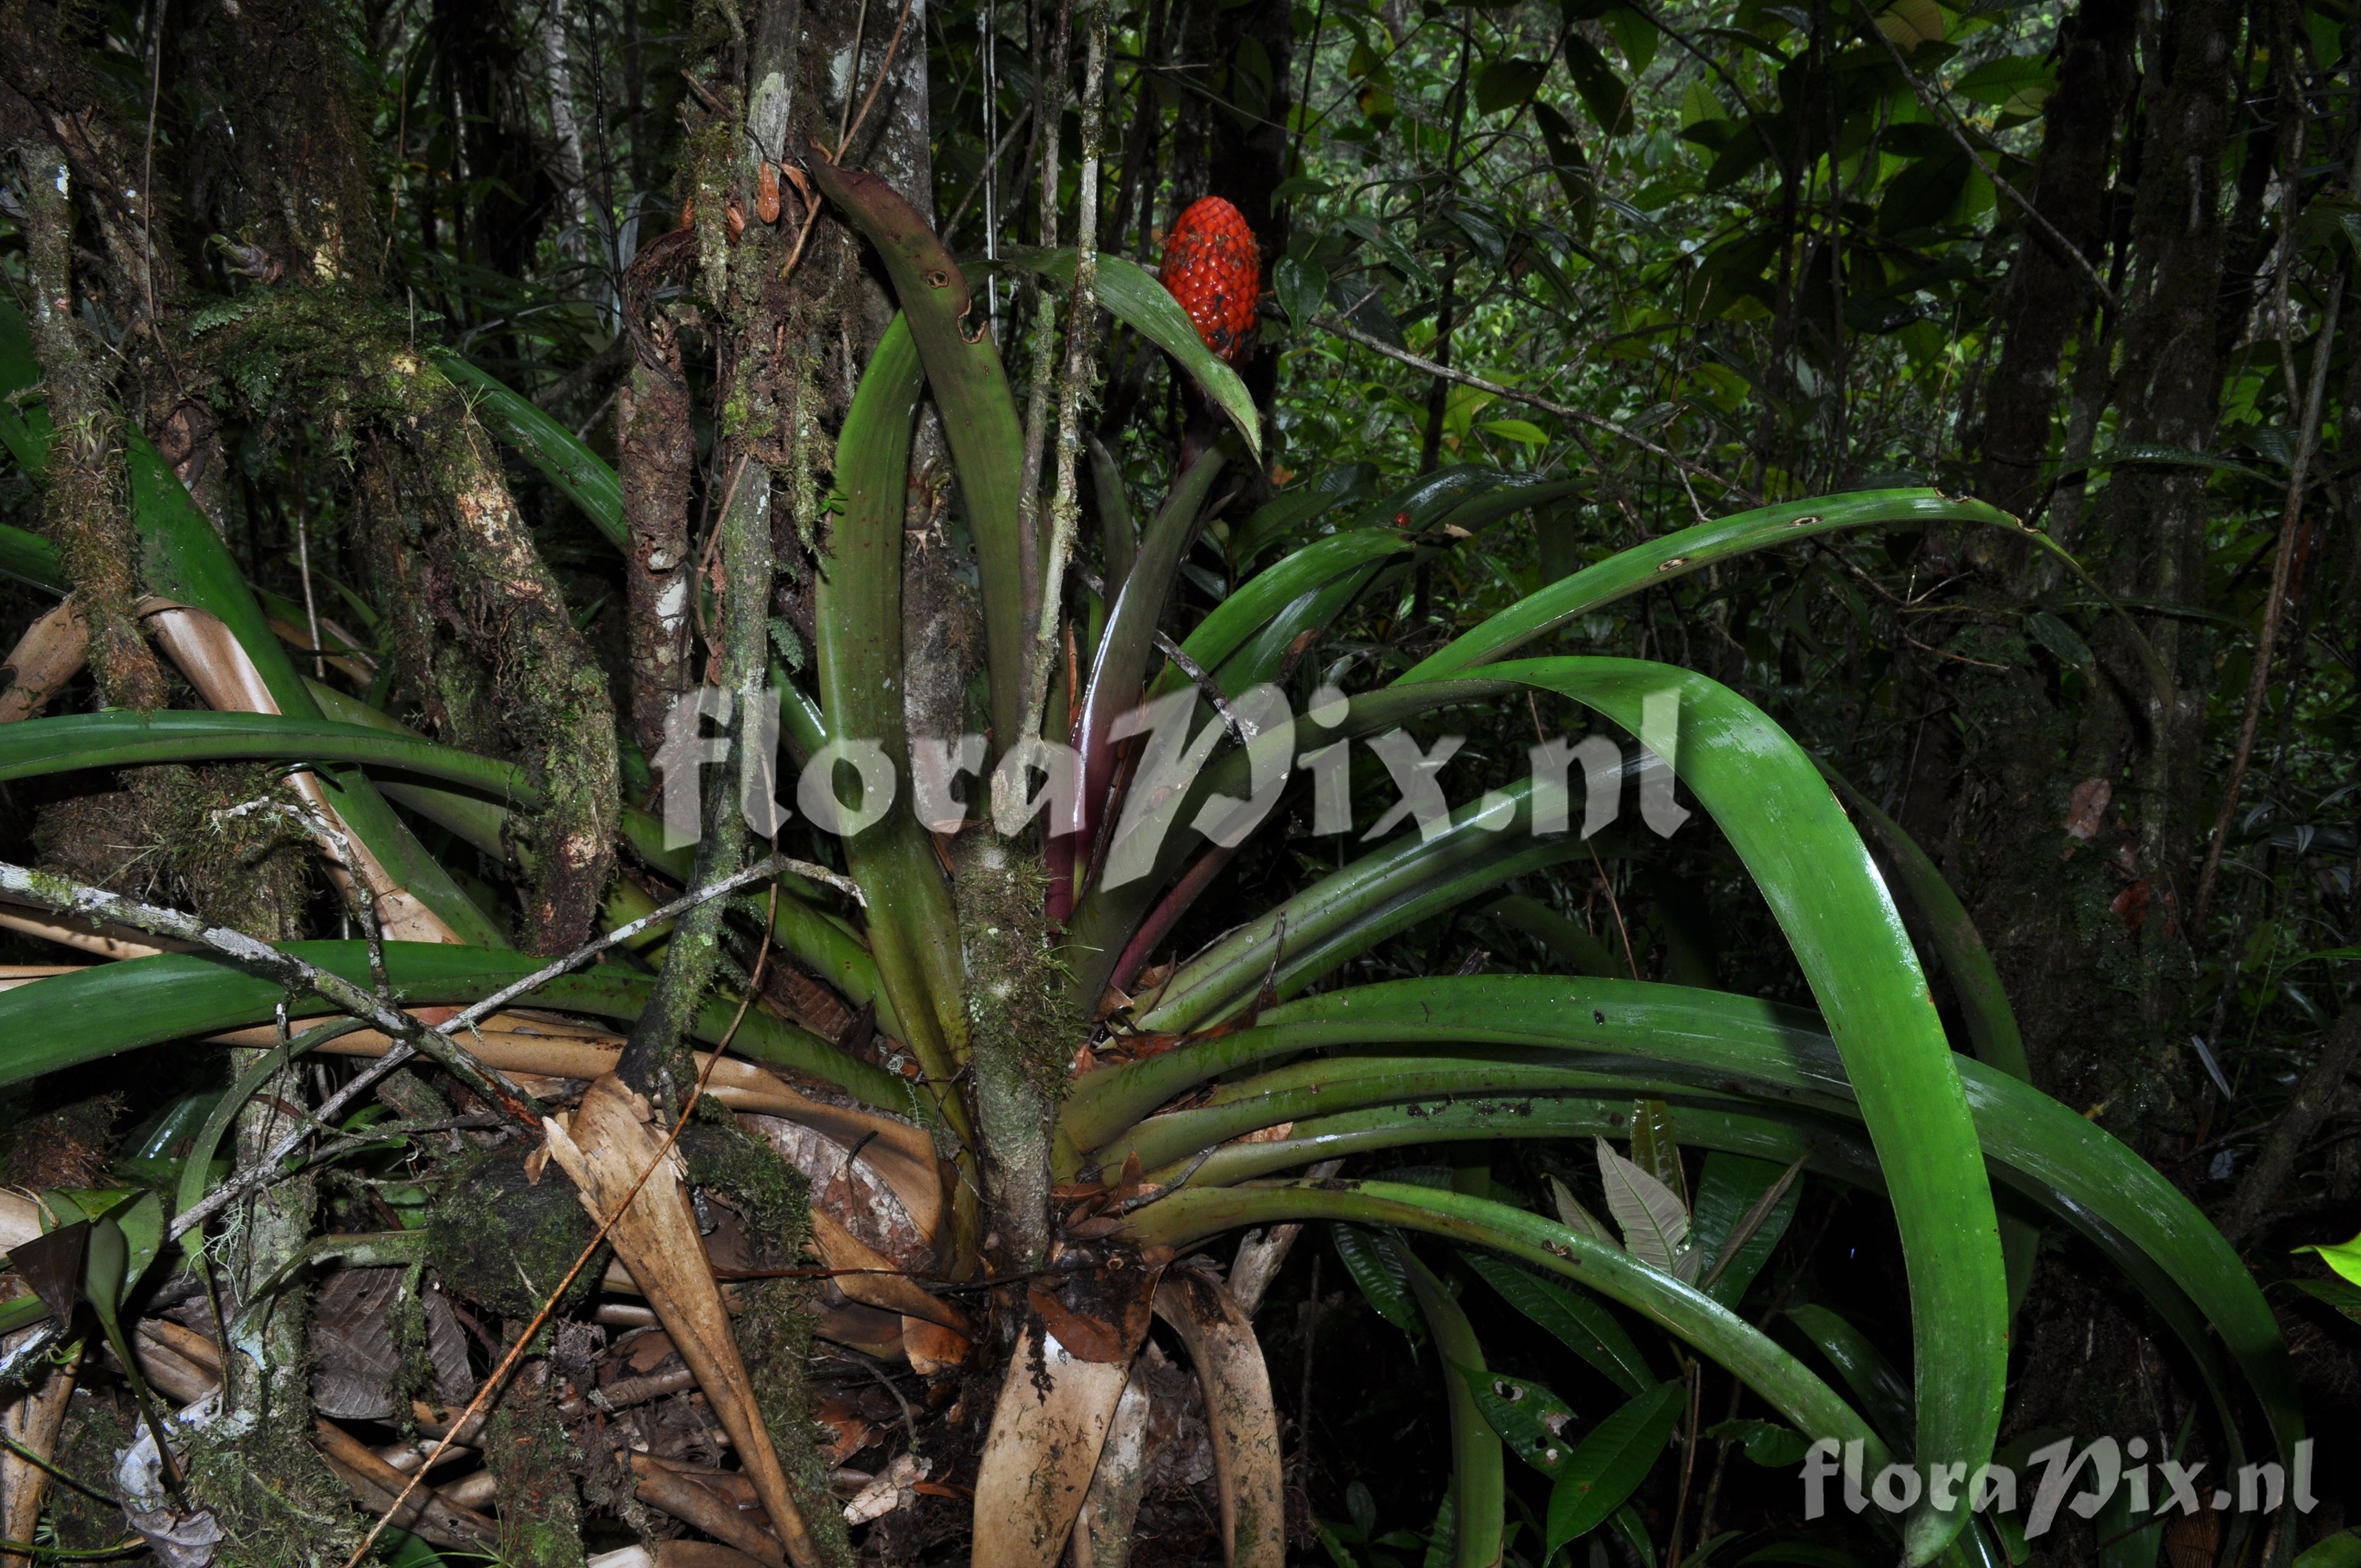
pixel 1100 1312
pixel 680 1496
pixel 606 1150
pixel 865 1329
pixel 932 1348
pixel 2087 813
pixel 849 1430
pixel 516 1041
pixel 857 1190
pixel 210 656
pixel 49 654
pixel 1239 1410
pixel 1047 1430
pixel 32 1420
pixel 872 1278
pixel 378 1484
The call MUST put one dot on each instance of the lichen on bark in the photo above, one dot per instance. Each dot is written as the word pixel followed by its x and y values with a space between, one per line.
pixel 1022 1030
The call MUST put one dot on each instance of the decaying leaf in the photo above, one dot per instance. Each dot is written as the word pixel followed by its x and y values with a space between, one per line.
pixel 1047 1429
pixel 932 1348
pixel 1238 1412
pixel 1100 1312
pixel 51 1265
pixel 2087 812
pixel 606 1149
pixel 353 1363
pixel 49 654
pixel 869 1277
pixel 889 1490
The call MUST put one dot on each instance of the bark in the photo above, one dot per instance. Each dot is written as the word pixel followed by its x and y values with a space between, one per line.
pixel 2099 997
pixel 656 447
pixel 2046 294
pixel 2315 1092
pixel 655 1060
pixel 2095 994
pixel 32 1418
pixel 297 195
pixel 483 631
pixel 477 605
pixel 2154 520
pixel 86 508
pixel 133 269
pixel 574 241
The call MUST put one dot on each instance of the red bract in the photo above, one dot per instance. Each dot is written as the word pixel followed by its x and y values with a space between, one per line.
pixel 1212 267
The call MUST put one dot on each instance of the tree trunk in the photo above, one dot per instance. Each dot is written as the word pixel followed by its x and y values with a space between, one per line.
pixel 2046 294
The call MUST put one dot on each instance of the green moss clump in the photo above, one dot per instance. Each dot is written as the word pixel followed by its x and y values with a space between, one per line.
pixel 165 837
pixel 1022 1025
pixel 278 1503
pixel 501 1241
pixel 1020 1007
pixel 99 1425
pixel 774 1322
pixel 527 1451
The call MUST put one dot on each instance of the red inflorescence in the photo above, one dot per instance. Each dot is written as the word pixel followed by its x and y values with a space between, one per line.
pixel 1212 267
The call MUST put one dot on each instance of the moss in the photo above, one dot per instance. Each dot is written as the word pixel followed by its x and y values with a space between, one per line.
pixel 67 1146
pixel 501 1241
pixel 163 836
pixel 414 1365
pixel 278 1503
pixel 482 634
pixel 774 1322
pixel 98 1426
pixel 1024 1005
pixel 527 1450
pixel 86 510
pixel 1023 1026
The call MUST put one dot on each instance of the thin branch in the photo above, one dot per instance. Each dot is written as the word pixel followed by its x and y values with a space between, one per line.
pixel 2267 636
pixel 404 1049
pixel 1207 687
pixel 991 169
pixel 1950 125
pixel 1080 368
pixel 1347 330
pixel 885 68
pixel 259 957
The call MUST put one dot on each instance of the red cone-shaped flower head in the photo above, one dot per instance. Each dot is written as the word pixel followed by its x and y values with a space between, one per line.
pixel 1212 267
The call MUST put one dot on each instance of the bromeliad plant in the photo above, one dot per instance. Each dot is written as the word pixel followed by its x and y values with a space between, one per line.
pixel 1005 966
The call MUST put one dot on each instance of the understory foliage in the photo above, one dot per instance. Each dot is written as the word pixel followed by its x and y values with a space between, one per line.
pixel 1742 687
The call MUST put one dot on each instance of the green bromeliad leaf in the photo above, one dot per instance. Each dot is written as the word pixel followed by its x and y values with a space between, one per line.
pixel 1137 299
pixel 979 417
pixel 1791 1076
pixel 90 1014
pixel 120 738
